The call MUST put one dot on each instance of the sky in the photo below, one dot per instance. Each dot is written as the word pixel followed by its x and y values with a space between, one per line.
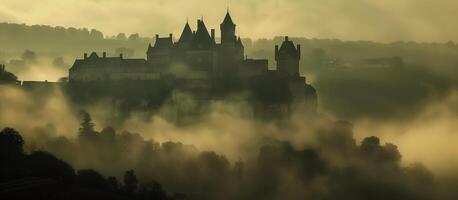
pixel 378 20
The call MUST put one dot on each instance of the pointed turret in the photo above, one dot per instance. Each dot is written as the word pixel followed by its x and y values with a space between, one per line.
pixel 202 39
pixel 228 19
pixel 159 54
pixel 186 35
pixel 228 30
pixel 287 57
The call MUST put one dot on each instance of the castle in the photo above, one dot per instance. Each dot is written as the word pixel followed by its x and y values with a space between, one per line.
pixel 197 63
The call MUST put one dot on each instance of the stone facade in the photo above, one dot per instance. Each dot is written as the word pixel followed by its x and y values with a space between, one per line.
pixel 195 51
pixel 197 63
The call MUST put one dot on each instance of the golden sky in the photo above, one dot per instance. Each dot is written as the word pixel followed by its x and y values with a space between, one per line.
pixel 381 20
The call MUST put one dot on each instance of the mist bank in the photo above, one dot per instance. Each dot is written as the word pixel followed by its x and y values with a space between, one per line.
pixel 355 80
pixel 226 155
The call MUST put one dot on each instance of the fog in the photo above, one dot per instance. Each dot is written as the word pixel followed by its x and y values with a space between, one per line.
pixel 305 157
pixel 404 93
pixel 389 20
pixel 430 137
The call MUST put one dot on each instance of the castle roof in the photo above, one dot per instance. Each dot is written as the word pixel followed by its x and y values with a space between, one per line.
pixel 165 42
pixel 287 47
pixel 186 35
pixel 239 42
pixel 149 48
pixel 202 39
pixel 95 61
pixel 228 19
pixel 93 56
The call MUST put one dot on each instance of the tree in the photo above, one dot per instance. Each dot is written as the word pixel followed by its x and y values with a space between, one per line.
pixel 450 44
pixel 63 79
pixel 59 62
pixel 11 154
pixel 95 34
pixel 127 52
pixel 134 36
pixel 130 181
pixel 373 151
pixel 29 56
pixel 113 184
pixel 121 36
pixel 91 179
pixel 45 165
pixel 7 77
pixel 152 190
pixel 87 126
pixel 11 144
pixel 397 62
pixel 108 134
pixel 238 169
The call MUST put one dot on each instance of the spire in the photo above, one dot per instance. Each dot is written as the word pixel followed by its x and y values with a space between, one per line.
pixel 228 18
pixel 202 38
pixel 228 29
pixel 287 48
pixel 186 35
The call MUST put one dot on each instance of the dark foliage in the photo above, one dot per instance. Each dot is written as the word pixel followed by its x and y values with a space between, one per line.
pixel 130 181
pixel 45 165
pixel 41 174
pixel 7 77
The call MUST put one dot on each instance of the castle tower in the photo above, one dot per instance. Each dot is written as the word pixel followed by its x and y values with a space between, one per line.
pixel 201 55
pixel 160 53
pixel 228 30
pixel 186 35
pixel 287 57
pixel 202 38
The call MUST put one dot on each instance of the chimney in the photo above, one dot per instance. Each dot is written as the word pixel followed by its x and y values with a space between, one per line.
pixel 213 34
pixel 85 56
pixel 104 54
pixel 286 38
pixel 199 23
pixel 299 50
pixel 120 55
pixel 276 52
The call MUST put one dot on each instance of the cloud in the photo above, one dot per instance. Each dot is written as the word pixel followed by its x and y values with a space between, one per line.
pixel 431 137
pixel 389 20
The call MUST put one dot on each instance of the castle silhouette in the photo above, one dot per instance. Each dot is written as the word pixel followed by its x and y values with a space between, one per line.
pixel 197 63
